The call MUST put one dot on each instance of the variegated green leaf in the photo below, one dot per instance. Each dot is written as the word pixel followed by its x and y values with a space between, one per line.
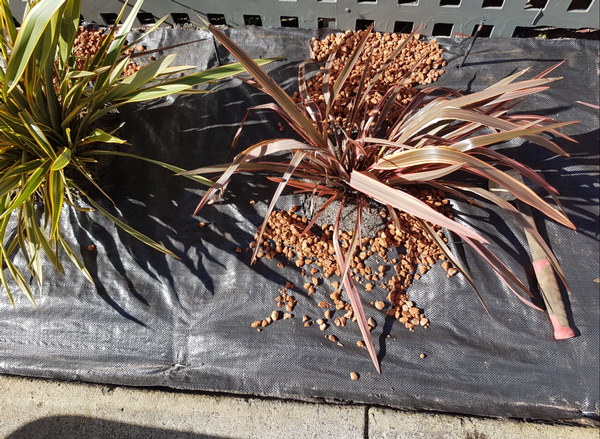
pixel 31 30
pixel 101 136
pixel 62 160
pixel 32 184
pixel 75 259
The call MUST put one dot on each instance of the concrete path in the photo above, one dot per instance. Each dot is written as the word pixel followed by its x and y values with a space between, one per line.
pixel 36 408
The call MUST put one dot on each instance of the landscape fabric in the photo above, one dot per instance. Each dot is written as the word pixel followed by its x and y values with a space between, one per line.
pixel 152 320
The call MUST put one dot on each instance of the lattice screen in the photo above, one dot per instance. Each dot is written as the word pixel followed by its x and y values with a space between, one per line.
pixel 504 18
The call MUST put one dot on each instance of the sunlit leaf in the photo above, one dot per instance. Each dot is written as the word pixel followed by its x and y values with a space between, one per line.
pixel 367 184
pixel 75 259
pixel 31 30
pixel 450 156
pixel 62 160
pixel 280 96
pixel 99 135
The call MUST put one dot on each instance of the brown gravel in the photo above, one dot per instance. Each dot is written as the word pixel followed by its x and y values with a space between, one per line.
pixel 382 46
pixel 285 238
pixel 88 42
pixel 285 232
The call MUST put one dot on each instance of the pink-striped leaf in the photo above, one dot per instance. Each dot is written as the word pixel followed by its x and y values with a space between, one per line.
pixel 366 183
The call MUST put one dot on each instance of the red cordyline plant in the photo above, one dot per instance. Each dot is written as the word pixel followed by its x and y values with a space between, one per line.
pixel 433 136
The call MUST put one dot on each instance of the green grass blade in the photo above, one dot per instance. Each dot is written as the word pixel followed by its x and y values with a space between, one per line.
pixel 4 200
pixel 53 105
pixel 4 283
pixel 148 31
pixel 45 50
pixel 81 168
pixel 35 264
pixel 116 72
pixel 50 253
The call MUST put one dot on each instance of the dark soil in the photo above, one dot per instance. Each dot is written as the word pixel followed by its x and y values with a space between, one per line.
pixel 372 221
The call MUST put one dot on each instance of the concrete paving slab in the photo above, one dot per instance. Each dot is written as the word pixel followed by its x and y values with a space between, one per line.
pixel 38 408
pixel 395 424
pixel 35 408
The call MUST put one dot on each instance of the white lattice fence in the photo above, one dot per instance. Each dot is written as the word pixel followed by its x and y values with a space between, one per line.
pixel 439 17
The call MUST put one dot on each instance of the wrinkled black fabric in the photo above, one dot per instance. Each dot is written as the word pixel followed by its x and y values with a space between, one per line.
pixel 151 320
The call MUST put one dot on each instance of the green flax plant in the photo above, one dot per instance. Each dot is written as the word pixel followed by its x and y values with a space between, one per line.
pixel 439 132
pixel 48 106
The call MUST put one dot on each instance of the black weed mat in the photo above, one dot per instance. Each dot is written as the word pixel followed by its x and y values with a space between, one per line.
pixel 152 320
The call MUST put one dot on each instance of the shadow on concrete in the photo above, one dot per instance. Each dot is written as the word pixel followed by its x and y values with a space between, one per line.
pixel 80 427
